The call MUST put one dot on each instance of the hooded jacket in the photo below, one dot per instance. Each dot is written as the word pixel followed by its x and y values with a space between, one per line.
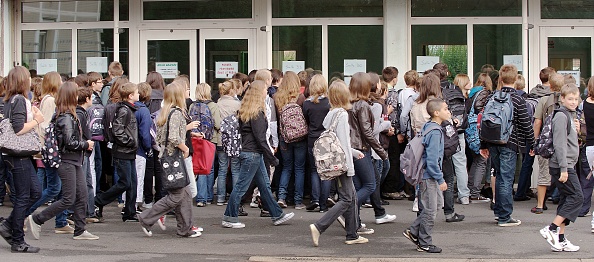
pixel 143 117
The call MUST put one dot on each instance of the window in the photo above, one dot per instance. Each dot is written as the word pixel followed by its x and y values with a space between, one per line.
pixel 297 43
pixel 47 44
pixel 448 42
pixel 551 9
pixel 355 43
pixel 493 42
pixel 326 8
pixel 205 9
pixel 440 8
pixel 95 43
pixel 71 11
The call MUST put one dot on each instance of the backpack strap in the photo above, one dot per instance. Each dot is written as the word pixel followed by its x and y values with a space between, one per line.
pixel 167 123
pixel 566 115
pixel 335 120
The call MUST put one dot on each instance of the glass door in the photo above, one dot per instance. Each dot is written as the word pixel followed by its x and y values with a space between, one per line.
pixel 169 52
pixel 569 51
pixel 224 52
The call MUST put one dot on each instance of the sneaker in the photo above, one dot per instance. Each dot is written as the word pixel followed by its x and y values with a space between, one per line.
pixel 299 206
pixel 465 201
pixel 264 213
pixel 130 219
pixel 592 229
pixel 340 220
pixel 147 231
pixel 138 210
pixel 23 248
pixel 197 229
pixel 552 237
pixel 200 204
pixel 221 203
pixel 512 222
pixel 367 205
pixel 35 228
pixel 99 212
pixel 521 198
pixel 64 230
pixel 330 202
pixel 567 247
pixel 241 212
pixel 409 235
pixel 282 203
pixel 479 199
pixel 455 218
pixel 429 249
pixel 233 225
pixel 254 203
pixel 392 196
pixel 365 231
pixel 92 219
pixel 121 205
pixel 312 206
pixel 415 207
pixel 85 236
pixel 284 218
pixel 161 223
pixel 192 234
pixel 385 219
pixel 147 205
pixel 209 202
pixel 385 203
pixel 5 232
pixel 315 234
pixel 536 210
pixel 359 240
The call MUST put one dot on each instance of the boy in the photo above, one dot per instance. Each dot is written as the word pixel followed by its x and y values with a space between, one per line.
pixel 96 110
pixel 125 146
pixel 504 157
pixel 115 71
pixel 561 168
pixel 84 102
pixel 419 231
pixel 143 117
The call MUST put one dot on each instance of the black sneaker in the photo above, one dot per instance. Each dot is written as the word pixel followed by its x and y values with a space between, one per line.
pixel 241 212
pixel 409 235
pixel 5 231
pixel 455 218
pixel 130 219
pixel 264 213
pixel 99 212
pixel 23 248
pixel 138 210
pixel 429 249
pixel 312 206
pixel 385 203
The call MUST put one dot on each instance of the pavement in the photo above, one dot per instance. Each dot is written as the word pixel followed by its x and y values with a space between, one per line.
pixel 477 238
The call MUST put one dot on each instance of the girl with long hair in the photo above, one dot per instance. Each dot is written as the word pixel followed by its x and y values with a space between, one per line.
pixel 255 152
pixel 74 181
pixel 429 88
pixel 228 105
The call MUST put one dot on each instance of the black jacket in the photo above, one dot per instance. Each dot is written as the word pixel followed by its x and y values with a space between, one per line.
pixel 125 132
pixel 361 123
pixel 70 141
pixel 253 136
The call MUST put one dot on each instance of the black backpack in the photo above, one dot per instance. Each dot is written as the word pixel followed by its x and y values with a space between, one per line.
pixel 451 144
pixel 392 100
pixel 456 103
pixel 108 117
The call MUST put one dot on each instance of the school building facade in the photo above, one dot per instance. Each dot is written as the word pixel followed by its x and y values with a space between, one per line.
pixel 210 39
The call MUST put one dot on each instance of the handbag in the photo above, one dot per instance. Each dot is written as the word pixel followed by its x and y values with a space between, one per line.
pixel 174 173
pixel 203 157
pixel 27 144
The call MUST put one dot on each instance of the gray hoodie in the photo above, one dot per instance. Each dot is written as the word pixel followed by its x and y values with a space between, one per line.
pixel 343 132
pixel 539 91
pixel 565 145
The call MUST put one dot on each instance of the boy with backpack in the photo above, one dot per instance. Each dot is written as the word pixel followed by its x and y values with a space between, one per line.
pixel 546 105
pixel 96 113
pixel 562 170
pixel 432 180
pixel 505 131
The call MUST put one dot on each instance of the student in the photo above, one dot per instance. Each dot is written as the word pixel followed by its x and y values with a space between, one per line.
pixel 96 160
pixel 23 118
pixel 346 206
pixel 546 105
pixel 84 102
pixel 153 169
pixel 519 85
pixel 255 153
pixel 503 157
pixel 433 181
pixel 115 71
pixel 125 146
pixel 71 146
pixel 144 120
pixel 228 105
pixel 395 179
pixel 379 109
pixel 277 79
pixel 562 170
pixel 5 175
pixel 180 200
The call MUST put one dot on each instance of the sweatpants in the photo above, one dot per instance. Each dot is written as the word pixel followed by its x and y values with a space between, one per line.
pixel 180 200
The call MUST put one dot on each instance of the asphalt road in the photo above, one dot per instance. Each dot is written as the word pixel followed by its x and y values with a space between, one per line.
pixel 476 238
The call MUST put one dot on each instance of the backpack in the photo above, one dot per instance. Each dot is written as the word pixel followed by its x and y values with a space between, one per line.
pixel 230 135
pixel 108 117
pixel 199 111
pixel 531 103
pixel 96 113
pixel 544 144
pixel 451 142
pixel 411 160
pixel 456 103
pixel 293 126
pixel 153 130
pixel 472 131
pixel 50 154
pixel 497 119
pixel 393 101
pixel 329 156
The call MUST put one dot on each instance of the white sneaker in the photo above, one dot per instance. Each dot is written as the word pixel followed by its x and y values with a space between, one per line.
pixel 415 207
pixel 254 203
pixel 465 201
pixel 552 238
pixel 340 220
pixel 85 236
pixel 365 231
pixel 315 234
pixel 147 231
pixel 161 223
pixel 567 247
pixel 284 219
pixel 147 205
pixel 233 225
pixel 34 227
pixel 385 219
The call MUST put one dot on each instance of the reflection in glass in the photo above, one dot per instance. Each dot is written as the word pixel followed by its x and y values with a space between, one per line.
pixel 99 43
pixel 48 44
pixel 224 50
pixel 571 55
pixel 462 8
pixel 169 51
pixel 201 9
pixel 355 42
pixel 556 9
pixel 297 43
pixel 71 11
pixel 448 42
pixel 492 42
pixel 326 8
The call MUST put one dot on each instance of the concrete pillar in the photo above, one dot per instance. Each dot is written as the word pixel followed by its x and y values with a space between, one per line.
pixel 263 35
pixel 396 37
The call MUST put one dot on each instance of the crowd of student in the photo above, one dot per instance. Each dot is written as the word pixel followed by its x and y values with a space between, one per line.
pixel 263 129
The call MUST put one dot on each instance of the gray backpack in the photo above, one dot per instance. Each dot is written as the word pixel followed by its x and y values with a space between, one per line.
pixel 497 119
pixel 411 160
pixel 329 155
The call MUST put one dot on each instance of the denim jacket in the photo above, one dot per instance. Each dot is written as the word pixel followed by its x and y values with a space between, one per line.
pixel 433 154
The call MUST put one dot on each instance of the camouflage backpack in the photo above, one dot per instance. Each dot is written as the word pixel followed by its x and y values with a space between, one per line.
pixel 328 153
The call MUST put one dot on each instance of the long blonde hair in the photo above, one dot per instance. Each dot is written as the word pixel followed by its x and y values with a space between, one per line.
pixel 339 95
pixel 318 87
pixel 253 102
pixel 288 91
pixel 173 96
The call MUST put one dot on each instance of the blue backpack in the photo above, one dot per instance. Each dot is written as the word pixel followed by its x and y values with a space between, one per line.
pixel 472 132
pixel 199 111
pixel 497 119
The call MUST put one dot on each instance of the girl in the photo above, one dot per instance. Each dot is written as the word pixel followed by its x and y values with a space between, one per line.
pixel 255 151
pixel 293 154
pixel 74 181
pixel 206 181
pixel 315 109
pixel 428 89
pixel 228 105
pixel 153 170
pixel 23 118
pixel 347 197
pixel 180 200
pixel 379 109
pixel 463 82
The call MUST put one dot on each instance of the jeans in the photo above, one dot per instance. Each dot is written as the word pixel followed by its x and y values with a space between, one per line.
pixel 42 178
pixel 367 180
pixel 449 177
pixel 252 168
pixel 382 167
pixel 140 171
pixel 346 206
pixel 153 170
pixel 27 192
pixel 459 161
pixel 222 177
pixel 204 184
pixel 74 193
pixel 476 175
pixel 504 163
pixel 294 155
pixel 96 164
pixel 423 224
pixel 127 183
pixel 86 169
pixel 320 189
pixel 6 178
pixel 54 187
pixel 525 175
